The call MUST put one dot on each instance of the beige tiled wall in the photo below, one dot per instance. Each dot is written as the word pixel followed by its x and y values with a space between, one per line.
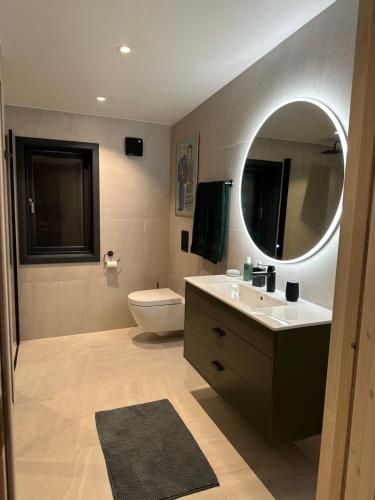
pixel 315 62
pixel 64 299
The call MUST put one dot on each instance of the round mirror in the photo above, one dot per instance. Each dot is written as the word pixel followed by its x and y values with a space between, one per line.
pixel 292 181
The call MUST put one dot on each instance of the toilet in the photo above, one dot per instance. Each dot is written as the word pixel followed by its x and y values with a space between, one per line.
pixel 160 311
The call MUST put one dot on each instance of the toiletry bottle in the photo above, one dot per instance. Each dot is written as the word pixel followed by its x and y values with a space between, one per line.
pixel 247 270
pixel 259 280
pixel 271 278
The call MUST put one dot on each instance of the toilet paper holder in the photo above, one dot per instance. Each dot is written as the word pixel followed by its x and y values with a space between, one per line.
pixel 108 258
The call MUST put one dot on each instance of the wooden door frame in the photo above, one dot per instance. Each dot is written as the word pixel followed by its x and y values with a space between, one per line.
pixel 359 480
pixel 351 264
pixel 7 484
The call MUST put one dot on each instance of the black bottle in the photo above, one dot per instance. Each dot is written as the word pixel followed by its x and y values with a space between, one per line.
pixel 271 278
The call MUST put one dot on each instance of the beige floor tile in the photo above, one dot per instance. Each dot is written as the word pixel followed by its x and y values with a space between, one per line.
pixel 61 382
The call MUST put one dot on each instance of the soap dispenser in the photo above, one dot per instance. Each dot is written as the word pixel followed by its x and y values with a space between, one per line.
pixel 248 270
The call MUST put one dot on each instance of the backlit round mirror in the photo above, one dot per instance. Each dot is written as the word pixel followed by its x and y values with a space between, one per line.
pixel 292 181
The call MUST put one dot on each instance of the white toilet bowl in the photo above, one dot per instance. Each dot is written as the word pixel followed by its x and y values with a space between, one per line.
pixel 160 311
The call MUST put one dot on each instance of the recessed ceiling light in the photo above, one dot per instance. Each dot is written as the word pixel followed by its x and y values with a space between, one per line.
pixel 124 49
pixel 101 99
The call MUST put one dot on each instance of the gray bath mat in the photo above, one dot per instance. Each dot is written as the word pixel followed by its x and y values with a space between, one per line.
pixel 150 453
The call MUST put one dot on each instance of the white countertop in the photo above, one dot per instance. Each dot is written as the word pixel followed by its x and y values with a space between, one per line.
pixel 285 316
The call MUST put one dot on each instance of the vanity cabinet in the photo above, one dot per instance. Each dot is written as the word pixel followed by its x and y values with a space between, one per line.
pixel 275 379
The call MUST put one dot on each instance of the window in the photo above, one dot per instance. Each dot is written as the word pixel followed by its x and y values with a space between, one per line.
pixel 58 201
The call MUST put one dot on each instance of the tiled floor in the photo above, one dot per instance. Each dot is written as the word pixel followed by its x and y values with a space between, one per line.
pixel 61 382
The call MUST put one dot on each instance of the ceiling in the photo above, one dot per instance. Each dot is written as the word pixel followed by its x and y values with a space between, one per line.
pixel 61 54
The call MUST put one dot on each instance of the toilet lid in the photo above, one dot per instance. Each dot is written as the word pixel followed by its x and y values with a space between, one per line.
pixel 157 297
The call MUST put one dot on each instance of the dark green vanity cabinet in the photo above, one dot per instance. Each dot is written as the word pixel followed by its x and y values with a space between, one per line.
pixel 275 379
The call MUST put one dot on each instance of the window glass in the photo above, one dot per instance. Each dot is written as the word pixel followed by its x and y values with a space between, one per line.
pixel 58 198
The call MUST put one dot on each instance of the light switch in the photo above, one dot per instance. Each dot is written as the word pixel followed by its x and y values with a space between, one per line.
pixel 185 241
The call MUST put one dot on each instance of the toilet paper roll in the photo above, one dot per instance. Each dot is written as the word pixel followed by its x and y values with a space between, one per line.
pixel 112 263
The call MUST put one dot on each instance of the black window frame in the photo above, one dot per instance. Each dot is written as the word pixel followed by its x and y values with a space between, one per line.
pixel 90 251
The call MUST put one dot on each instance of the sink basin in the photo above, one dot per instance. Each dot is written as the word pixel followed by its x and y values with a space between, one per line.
pixel 255 299
pixel 231 290
pixel 247 295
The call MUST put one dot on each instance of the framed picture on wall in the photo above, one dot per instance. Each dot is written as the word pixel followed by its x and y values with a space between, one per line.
pixel 186 175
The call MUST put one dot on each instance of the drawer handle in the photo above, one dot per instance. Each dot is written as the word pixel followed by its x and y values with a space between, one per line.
pixel 219 332
pixel 217 365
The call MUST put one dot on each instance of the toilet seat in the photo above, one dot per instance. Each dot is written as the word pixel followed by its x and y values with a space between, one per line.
pixel 157 297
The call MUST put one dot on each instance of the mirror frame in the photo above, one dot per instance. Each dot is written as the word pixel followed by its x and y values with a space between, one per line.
pixel 336 219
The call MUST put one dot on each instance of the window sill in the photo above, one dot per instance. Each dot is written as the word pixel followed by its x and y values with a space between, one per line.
pixel 59 258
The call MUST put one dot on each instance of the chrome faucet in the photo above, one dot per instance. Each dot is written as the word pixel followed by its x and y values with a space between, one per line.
pixel 270 275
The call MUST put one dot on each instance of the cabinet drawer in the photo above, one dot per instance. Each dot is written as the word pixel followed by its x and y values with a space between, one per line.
pixel 227 383
pixel 244 359
pixel 250 330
